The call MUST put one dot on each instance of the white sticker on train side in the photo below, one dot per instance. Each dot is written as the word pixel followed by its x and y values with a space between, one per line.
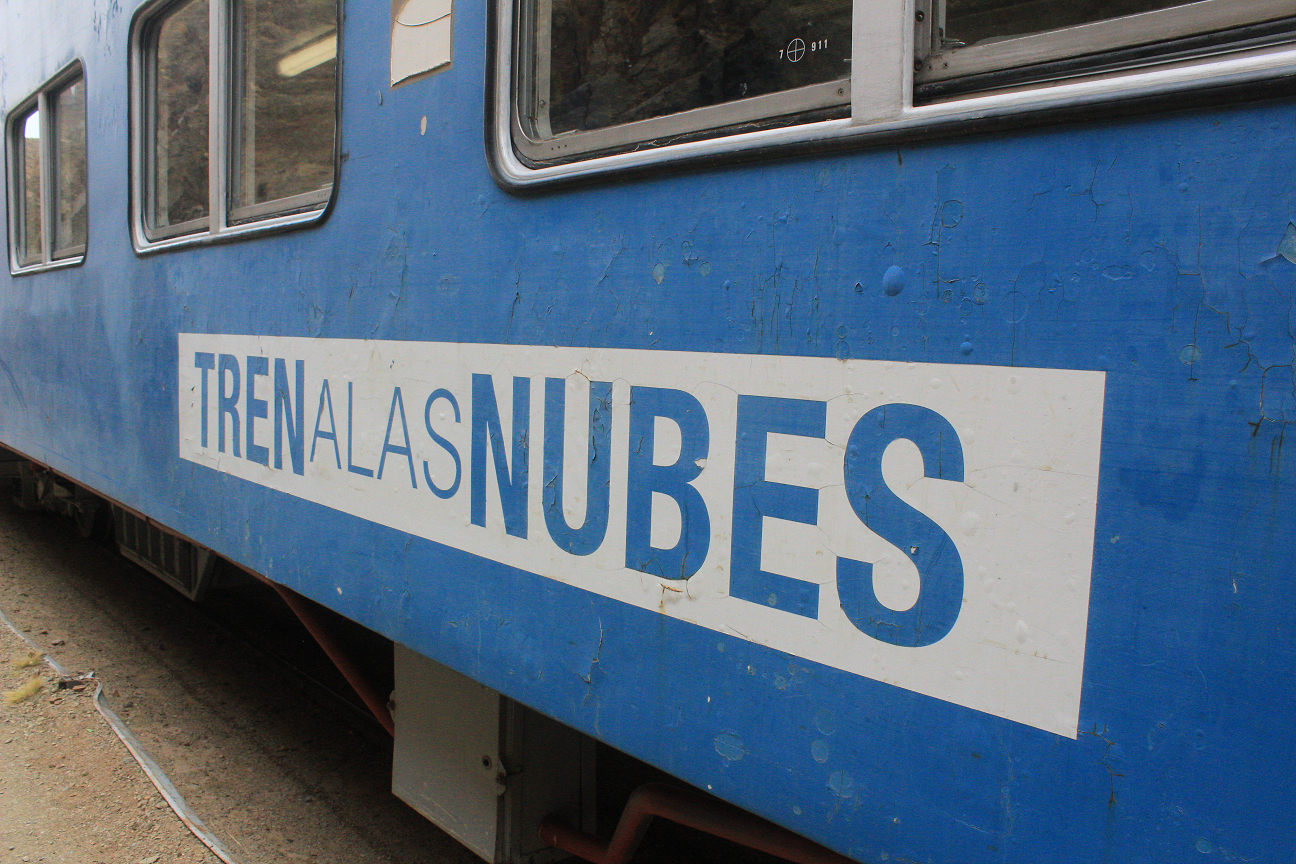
pixel 930 526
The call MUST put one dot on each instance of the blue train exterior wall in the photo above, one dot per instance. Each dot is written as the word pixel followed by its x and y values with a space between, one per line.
pixel 1146 249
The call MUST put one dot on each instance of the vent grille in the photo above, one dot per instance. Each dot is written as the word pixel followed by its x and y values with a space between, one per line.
pixel 181 564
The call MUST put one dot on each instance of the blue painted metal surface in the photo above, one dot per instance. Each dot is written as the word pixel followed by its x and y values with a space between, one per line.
pixel 1147 249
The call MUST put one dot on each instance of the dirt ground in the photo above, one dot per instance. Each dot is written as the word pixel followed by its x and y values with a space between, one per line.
pixel 273 775
pixel 68 791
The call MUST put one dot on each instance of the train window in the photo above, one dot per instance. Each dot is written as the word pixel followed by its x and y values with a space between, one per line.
pixel 607 74
pixel 236 108
pixel 71 202
pixel 27 182
pixel 967 37
pixel 283 154
pixel 177 156
pixel 583 87
pixel 46 140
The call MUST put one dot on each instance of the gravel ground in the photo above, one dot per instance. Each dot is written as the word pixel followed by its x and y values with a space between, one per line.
pixel 273 775
pixel 70 792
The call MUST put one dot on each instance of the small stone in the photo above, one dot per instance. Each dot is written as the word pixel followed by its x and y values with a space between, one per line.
pixel 152 859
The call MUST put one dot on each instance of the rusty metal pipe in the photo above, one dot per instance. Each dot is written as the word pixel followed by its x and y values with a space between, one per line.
pixel 341 660
pixel 693 810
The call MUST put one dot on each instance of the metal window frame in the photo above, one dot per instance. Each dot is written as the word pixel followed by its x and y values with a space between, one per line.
pixel 49 258
pixel 221 223
pixel 149 35
pixel 532 25
pixel 18 186
pixel 785 103
pixel 942 63
pixel 52 101
pixel 883 110
pixel 301 202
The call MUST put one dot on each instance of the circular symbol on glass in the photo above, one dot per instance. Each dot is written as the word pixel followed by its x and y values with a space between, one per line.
pixel 795 50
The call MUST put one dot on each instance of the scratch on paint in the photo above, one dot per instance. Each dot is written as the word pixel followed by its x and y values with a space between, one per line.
pixel 13 382
pixel 1112 775
pixel 594 662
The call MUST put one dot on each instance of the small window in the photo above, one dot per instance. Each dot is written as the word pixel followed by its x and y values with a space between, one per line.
pixel 254 149
pixel 283 154
pixel 71 204
pixel 580 88
pixel 1028 40
pixel 612 74
pixel 28 182
pixel 178 142
pixel 47 180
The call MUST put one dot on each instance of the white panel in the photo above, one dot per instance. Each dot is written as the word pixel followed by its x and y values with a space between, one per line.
pixel 445 761
pixel 416 12
pixel 881 59
pixel 1022 520
pixel 421 38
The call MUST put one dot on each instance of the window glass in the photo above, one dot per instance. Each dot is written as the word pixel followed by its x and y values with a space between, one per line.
pixel 68 110
pixel 285 101
pixel 180 116
pixel 601 63
pixel 974 21
pixel 28 144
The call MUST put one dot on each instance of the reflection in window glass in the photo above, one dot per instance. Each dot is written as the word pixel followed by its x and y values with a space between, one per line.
pixel 285 104
pixel 601 63
pixel 973 21
pixel 29 157
pixel 179 133
pixel 69 170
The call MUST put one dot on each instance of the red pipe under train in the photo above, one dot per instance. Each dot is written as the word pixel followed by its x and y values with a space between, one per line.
pixel 335 652
pixel 691 809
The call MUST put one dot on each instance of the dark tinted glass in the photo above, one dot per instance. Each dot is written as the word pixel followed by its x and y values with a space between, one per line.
pixel 601 63
pixel 285 100
pixel 974 21
pixel 28 146
pixel 179 145
pixel 70 208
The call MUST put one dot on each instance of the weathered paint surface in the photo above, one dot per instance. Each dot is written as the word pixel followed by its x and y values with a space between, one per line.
pixel 1147 250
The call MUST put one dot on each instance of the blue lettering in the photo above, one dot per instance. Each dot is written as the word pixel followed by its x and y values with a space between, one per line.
pixel 293 417
pixel 351 466
pixel 940 568
pixel 486 426
pixel 644 478
pixel 446 445
pixel 257 367
pixel 326 398
pixel 206 362
pixel 586 538
pixel 227 402
pixel 398 403
pixel 756 498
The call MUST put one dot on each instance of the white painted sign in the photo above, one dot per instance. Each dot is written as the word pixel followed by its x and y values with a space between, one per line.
pixel 929 526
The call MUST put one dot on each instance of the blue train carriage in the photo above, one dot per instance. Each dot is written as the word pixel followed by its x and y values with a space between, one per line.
pixel 870 413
